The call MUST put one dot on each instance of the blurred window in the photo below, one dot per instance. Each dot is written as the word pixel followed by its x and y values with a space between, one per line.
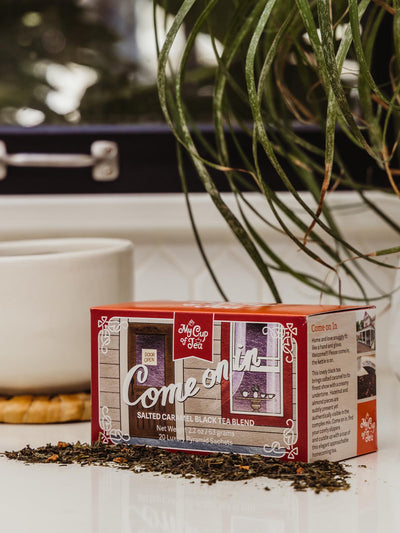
pixel 81 62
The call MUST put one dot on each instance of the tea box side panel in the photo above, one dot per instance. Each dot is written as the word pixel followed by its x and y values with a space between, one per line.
pixel 342 384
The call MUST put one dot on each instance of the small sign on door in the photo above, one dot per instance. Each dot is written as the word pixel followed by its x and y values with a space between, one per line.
pixel 149 357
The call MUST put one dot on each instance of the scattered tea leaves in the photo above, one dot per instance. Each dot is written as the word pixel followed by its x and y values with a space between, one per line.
pixel 318 476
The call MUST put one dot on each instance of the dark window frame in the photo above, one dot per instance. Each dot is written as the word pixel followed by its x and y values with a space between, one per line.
pixel 147 160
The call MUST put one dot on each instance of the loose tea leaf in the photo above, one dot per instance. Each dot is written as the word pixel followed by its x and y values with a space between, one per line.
pixel 210 468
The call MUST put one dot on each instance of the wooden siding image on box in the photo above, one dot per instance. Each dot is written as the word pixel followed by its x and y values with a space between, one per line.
pixel 109 379
pixel 207 416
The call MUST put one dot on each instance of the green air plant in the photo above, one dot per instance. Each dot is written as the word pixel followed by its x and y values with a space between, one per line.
pixel 279 64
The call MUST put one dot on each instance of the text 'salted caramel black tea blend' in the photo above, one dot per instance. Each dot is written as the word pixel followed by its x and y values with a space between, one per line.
pixel 294 382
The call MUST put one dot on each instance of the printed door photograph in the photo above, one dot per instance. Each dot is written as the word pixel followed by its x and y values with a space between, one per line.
pixel 149 345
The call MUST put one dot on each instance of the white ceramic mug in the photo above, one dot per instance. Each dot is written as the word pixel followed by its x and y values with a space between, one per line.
pixel 46 290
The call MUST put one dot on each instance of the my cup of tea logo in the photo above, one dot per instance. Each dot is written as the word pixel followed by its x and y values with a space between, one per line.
pixel 367 427
pixel 193 335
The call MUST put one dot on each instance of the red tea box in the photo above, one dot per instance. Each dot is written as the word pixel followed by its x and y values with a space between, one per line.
pixel 296 382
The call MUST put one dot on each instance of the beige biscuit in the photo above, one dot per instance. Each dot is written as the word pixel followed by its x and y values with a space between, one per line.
pixel 43 409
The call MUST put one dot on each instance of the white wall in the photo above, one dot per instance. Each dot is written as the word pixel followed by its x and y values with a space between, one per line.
pixel 167 262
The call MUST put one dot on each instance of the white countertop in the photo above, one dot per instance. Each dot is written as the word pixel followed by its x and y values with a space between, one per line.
pixel 76 499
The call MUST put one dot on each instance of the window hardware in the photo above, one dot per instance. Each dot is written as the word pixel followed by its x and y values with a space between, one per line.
pixel 103 159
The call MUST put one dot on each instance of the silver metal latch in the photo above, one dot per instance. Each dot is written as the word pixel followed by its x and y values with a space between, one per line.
pixel 103 158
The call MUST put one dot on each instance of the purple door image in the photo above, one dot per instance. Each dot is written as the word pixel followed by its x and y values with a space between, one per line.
pixel 149 345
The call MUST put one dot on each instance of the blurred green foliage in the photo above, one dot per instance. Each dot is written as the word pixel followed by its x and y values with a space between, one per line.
pixel 38 33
